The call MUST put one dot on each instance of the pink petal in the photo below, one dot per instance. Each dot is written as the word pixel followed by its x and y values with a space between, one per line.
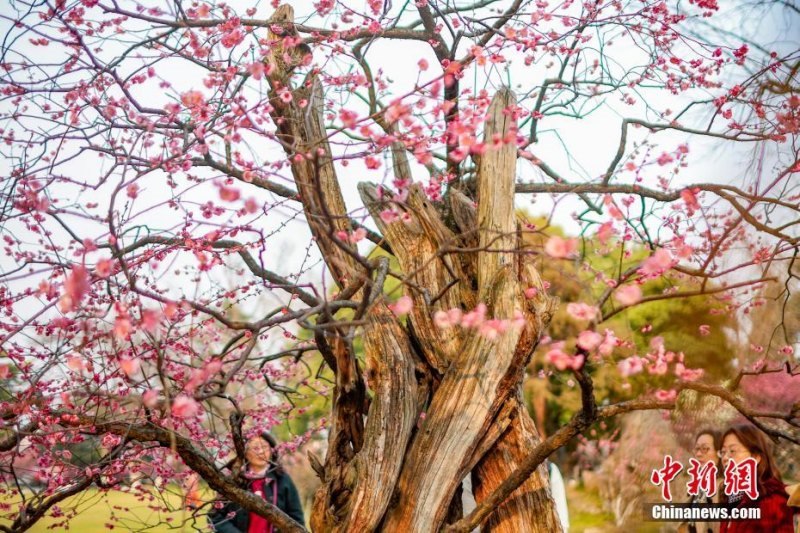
pixel 657 263
pixel 150 398
pixel 582 311
pixel 184 407
pixel 388 216
pixel 589 340
pixel 75 287
pixel 560 248
pixel 402 306
pixel 628 295
pixel 442 319
pixel 130 366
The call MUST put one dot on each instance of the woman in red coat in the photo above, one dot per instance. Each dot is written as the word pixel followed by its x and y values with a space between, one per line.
pixel 744 441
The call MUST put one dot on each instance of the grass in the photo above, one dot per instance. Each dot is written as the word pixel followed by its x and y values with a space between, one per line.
pixel 586 513
pixel 95 510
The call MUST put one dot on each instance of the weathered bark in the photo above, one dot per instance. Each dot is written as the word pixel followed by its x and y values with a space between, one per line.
pixel 465 217
pixel 302 129
pixel 496 176
pixel 435 279
pixel 480 381
pixel 529 508
pixel 370 477
pixel 460 413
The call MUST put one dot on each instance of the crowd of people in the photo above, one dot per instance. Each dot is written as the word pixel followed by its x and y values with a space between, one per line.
pixel 739 443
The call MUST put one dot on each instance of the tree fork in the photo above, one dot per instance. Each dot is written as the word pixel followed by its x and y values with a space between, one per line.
pixel 479 376
pixel 476 386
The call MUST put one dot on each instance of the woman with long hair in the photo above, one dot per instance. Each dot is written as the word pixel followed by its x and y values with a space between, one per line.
pixel 265 478
pixel 741 442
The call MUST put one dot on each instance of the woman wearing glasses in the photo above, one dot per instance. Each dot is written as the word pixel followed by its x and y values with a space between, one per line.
pixel 741 442
pixel 706 448
pixel 265 478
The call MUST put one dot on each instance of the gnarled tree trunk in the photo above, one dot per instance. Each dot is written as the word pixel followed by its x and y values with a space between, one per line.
pixel 388 467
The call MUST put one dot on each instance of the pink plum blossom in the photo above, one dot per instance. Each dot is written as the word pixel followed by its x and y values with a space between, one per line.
pixel 562 360
pixel 475 317
pixel 605 232
pixel 104 268
pixel 447 319
pixel 657 263
pixel 589 340
pixel 76 363
pixel 689 197
pixel 666 395
pixel 687 374
pixel 402 306
pixel 75 287
pixel 229 194
pixel 192 99
pixel 631 365
pixel 358 235
pixel 150 398
pixel 122 327
pixel 560 248
pixel 184 407
pixel 609 343
pixel 628 295
pixel 492 329
pixel 130 366
pixel 388 216
pixel 582 311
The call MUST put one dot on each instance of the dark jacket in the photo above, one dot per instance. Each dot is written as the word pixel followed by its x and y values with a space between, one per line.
pixel 703 499
pixel 288 501
pixel 776 515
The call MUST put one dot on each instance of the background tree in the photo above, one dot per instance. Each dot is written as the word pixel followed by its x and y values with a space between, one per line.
pixel 157 152
pixel 680 323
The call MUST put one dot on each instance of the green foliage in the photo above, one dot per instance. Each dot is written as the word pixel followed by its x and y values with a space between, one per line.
pixel 676 320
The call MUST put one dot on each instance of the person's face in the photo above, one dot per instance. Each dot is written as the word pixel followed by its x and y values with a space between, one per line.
pixel 732 448
pixel 258 452
pixel 704 449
